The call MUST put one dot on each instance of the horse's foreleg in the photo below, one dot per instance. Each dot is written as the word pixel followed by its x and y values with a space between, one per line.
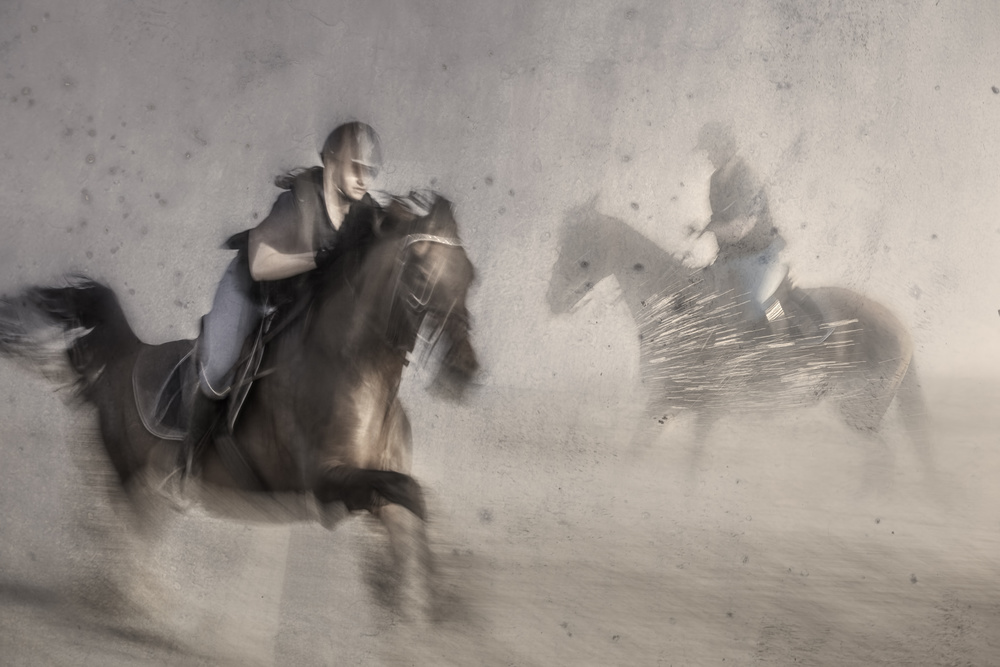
pixel 397 501
pixel 913 412
pixel 367 489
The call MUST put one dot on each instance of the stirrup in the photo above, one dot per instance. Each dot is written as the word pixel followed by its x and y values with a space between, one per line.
pixel 825 333
pixel 774 311
pixel 172 490
pixel 810 340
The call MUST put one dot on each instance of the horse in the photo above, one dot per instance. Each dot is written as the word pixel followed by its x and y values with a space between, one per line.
pixel 698 351
pixel 321 432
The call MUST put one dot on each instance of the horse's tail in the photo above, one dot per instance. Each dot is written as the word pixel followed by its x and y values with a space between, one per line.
pixel 913 411
pixel 69 334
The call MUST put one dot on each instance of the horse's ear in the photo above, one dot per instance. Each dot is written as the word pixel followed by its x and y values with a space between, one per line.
pixel 585 210
pixel 580 215
pixel 589 210
pixel 442 217
pixel 442 207
pixel 392 218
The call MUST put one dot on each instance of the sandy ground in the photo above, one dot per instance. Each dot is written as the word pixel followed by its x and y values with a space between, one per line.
pixel 569 546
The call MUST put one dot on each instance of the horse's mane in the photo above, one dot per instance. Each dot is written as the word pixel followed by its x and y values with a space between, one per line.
pixel 417 213
pixel 585 223
pixel 416 217
pixel 421 210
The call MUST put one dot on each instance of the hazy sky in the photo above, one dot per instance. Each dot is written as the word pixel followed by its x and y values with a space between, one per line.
pixel 137 135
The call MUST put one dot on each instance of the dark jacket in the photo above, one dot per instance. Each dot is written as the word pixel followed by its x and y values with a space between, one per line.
pixel 299 223
pixel 735 192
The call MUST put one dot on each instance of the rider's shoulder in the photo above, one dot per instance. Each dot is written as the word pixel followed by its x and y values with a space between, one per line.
pixel 299 178
pixel 288 205
pixel 308 185
pixel 300 187
pixel 735 167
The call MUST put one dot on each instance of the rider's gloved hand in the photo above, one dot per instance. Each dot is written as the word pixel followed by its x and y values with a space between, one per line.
pixel 324 256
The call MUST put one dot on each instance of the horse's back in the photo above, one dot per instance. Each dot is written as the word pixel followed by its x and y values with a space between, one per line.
pixel 880 335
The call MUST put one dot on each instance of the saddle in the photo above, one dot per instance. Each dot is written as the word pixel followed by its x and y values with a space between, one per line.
pixel 791 313
pixel 163 376
pixel 158 385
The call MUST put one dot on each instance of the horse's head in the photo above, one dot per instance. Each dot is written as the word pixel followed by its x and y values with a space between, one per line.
pixel 585 258
pixel 432 279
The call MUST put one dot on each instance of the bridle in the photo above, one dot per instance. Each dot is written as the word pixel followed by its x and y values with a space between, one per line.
pixel 421 301
pixel 415 304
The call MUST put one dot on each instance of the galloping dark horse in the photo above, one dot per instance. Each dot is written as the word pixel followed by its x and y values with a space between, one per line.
pixel 323 422
pixel 698 353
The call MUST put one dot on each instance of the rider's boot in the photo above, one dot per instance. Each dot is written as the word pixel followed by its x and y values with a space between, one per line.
pixel 776 319
pixel 808 319
pixel 172 467
pixel 204 412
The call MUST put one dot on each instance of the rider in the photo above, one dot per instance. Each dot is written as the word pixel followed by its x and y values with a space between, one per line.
pixel 748 241
pixel 323 212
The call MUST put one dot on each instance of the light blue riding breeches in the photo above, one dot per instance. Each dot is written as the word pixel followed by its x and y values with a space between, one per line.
pixel 757 277
pixel 225 327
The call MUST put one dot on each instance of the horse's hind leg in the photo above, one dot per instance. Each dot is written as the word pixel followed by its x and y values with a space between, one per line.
pixel 913 412
pixel 128 529
pixel 879 467
pixel 412 561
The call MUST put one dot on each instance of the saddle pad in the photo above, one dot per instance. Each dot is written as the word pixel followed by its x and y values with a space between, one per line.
pixel 157 383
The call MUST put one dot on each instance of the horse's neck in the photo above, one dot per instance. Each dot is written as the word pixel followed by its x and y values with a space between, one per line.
pixel 641 267
pixel 353 310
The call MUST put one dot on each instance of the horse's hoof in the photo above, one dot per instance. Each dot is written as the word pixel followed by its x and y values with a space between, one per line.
pixel 174 492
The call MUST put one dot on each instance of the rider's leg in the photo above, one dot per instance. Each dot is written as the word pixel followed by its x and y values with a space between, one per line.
pixel 772 276
pixel 203 412
pixel 743 272
pixel 233 316
pixel 775 309
pixel 757 277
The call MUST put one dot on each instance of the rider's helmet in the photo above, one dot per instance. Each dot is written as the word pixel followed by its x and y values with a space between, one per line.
pixel 354 141
pixel 717 140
